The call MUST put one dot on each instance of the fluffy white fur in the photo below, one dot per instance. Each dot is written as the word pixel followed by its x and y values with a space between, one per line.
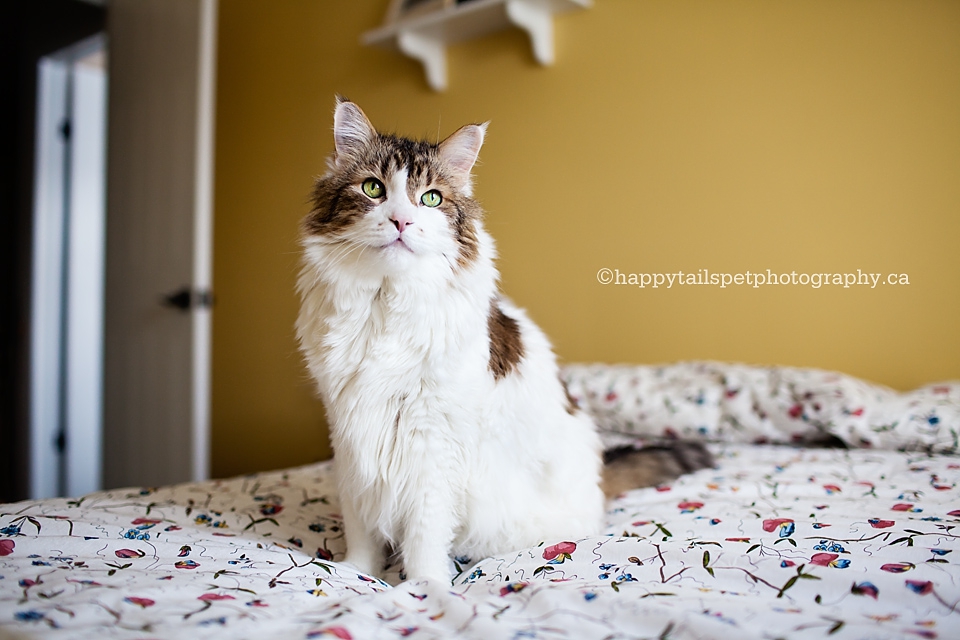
pixel 434 456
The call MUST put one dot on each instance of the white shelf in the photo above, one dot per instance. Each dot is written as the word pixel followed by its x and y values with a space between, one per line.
pixel 425 35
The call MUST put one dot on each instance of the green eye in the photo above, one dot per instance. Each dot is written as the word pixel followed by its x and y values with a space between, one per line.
pixel 431 198
pixel 373 187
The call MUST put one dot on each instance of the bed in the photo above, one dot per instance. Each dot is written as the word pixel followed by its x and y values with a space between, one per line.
pixel 785 538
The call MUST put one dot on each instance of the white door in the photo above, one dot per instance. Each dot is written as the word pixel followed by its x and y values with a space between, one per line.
pixel 159 219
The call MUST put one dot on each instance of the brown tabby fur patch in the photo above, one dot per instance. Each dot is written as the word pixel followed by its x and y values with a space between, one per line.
pixel 571 402
pixel 506 348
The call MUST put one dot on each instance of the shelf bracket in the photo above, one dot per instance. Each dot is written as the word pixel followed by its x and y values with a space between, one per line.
pixel 537 20
pixel 431 52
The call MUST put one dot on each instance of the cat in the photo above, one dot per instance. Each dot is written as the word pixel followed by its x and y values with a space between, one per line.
pixel 452 432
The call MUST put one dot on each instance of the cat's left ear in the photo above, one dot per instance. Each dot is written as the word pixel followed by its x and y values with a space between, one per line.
pixel 459 151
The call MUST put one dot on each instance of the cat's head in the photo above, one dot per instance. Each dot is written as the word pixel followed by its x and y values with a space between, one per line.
pixel 389 204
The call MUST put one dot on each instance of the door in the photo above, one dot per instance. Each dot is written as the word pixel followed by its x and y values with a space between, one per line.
pixel 159 219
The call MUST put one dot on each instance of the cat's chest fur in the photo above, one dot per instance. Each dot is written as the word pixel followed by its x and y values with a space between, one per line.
pixel 393 353
pixel 402 333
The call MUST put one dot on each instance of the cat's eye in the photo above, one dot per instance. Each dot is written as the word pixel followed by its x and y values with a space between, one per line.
pixel 373 187
pixel 431 198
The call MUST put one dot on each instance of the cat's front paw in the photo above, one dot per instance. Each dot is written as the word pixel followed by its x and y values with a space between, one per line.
pixel 437 572
pixel 362 564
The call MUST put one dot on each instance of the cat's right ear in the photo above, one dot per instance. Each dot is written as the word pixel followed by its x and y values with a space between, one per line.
pixel 352 131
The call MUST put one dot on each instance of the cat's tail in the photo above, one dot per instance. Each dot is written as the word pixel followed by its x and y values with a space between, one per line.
pixel 626 468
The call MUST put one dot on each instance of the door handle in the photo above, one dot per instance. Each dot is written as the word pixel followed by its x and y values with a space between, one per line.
pixel 186 298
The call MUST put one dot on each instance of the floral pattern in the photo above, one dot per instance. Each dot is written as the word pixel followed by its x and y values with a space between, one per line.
pixel 777 541
pixel 720 402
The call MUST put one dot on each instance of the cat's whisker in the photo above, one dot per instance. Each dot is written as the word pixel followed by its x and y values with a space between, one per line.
pixel 343 250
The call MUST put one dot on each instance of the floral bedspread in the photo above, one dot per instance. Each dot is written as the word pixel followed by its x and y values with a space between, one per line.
pixel 776 542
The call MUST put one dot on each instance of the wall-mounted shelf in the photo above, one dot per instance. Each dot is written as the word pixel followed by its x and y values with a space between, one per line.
pixel 422 29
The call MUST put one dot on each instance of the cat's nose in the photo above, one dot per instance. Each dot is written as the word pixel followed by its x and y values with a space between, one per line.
pixel 401 222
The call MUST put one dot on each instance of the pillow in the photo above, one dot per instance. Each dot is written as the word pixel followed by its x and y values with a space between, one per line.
pixel 722 402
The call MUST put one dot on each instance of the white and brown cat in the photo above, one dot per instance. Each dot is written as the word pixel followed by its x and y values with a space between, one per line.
pixel 452 432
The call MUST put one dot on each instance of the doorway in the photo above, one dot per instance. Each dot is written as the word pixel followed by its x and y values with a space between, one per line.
pixel 67 291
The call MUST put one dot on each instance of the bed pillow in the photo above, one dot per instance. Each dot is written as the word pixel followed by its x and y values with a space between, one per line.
pixel 722 402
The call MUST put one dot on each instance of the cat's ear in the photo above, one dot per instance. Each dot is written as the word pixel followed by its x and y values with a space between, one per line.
pixel 459 151
pixel 352 131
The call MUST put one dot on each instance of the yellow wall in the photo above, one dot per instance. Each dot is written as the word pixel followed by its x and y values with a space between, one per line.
pixel 807 136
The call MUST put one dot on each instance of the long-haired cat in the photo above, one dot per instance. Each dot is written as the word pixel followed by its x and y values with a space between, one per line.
pixel 451 430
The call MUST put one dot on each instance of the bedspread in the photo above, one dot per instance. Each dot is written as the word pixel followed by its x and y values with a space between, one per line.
pixel 775 542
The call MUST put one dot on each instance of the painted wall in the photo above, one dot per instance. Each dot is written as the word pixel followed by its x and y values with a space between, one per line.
pixel 671 135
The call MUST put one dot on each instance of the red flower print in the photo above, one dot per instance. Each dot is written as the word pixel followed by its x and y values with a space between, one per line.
pixel 823 559
pixel 865 589
pixel 145 521
pixel 689 507
pixel 832 489
pixel 898 567
pixel 336 632
pixel 140 602
pixel 922 587
pixel 513 587
pixel 772 524
pixel 6 547
pixel 903 506
pixel 187 564
pixel 876 523
pixel 611 397
pixel 795 411
pixel 211 597
pixel 955 513
pixel 559 549
pixel 857 412
pixel 128 553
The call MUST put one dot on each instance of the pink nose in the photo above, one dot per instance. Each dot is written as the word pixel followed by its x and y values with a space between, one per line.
pixel 401 222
